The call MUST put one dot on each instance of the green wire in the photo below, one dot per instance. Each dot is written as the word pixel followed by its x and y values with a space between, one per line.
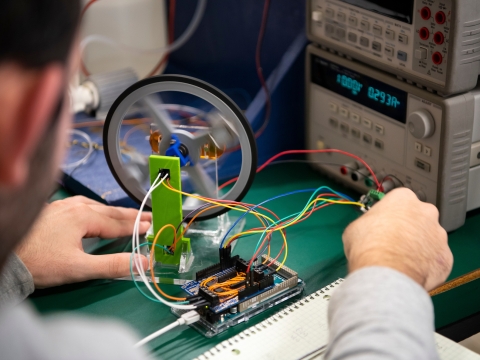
pixel 135 281
pixel 294 216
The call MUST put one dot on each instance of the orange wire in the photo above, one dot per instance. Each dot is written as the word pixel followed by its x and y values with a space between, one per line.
pixel 152 272
pixel 138 121
pixel 204 210
pixel 228 202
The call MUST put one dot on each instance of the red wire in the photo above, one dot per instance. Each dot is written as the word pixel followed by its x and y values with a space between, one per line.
pixel 86 7
pixel 238 203
pixel 286 221
pixel 269 235
pixel 283 246
pixel 268 104
pixel 289 152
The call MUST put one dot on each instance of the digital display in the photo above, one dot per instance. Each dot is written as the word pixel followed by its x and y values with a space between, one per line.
pixel 362 89
pixel 398 10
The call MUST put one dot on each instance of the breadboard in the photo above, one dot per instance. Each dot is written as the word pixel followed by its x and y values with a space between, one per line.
pixel 300 331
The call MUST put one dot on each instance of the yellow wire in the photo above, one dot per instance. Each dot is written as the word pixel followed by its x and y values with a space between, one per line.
pixel 291 223
pixel 214 202
pixel 233 208
pixel 294 221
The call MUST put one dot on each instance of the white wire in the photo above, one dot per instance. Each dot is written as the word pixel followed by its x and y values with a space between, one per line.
pixel 136 245
pixel 197 17
pixel 83 160
pixel 157 334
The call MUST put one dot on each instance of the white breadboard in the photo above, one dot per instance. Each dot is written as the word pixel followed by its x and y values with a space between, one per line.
pixel 449 350
pixel 300 331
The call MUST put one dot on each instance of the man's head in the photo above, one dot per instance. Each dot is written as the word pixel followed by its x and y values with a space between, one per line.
pixel 36 61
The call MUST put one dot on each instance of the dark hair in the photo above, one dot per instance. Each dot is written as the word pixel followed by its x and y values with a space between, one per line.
pixel 35 33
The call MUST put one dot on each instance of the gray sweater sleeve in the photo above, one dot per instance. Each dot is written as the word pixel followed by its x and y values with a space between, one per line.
pixel 25 336
pixel 380 313
pixel 16 282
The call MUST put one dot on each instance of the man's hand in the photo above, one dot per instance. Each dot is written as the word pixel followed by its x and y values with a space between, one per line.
pixel 402 233
pixel 53 252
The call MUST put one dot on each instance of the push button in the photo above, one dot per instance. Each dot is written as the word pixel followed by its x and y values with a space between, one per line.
pixel 402 55
pixel 352 37
pixel 390 34
pixel 364 41
pixel 422 165
pixel 340 33
pixel 367 123
pixel 427 151
pixel 421 54
pixel 333 122
pixel 379 144
pixel 344 112
pixel 355 118
pixel 376 46
pixel 418 147
pixel 389 51
pixel 317 16
pixel 352 21
pixel 367 138
pixel 379 129
pixel 341 17
pixel 364 25
pixel 403 39
pixel 344 127
pixel 330 29
pixel 377 30
pixel 330 13
pixel 333 107
pixel 356 133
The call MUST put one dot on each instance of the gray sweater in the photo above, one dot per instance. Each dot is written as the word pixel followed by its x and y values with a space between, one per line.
pixel 377 313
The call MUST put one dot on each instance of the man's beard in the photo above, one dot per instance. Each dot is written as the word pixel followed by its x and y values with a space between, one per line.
pixel 20 208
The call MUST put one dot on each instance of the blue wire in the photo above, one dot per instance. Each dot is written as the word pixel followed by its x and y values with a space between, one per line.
pixel 135 281
pixel 280 196
pixel 254 207
pixel 293 216
pixel 312 197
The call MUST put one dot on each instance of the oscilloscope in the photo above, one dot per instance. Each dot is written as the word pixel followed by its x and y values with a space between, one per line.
pixel 433 43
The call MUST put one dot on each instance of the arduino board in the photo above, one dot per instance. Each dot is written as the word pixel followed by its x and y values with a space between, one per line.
pixel 228 293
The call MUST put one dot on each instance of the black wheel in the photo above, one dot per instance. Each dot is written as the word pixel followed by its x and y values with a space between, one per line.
pixel 146 97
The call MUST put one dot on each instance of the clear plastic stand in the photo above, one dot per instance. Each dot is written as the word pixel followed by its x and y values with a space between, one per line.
pixel 205 238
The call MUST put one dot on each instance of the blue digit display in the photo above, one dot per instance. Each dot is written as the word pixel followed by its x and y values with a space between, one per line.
pixel 349 83
pixel 382 97
pixel 360 88
pixel 375 94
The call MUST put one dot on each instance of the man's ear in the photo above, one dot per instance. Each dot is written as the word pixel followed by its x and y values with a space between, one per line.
pixel 29 98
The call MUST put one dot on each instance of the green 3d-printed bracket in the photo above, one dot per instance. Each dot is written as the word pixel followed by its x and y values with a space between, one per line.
pixel 167 209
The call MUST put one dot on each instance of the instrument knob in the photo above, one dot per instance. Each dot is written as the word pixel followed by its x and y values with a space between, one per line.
pixel 421 124
pixel 421 195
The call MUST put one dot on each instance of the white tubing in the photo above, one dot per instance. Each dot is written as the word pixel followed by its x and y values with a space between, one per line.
pixel 192 27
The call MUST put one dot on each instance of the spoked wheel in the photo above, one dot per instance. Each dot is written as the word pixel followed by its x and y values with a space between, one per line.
pixel 161 113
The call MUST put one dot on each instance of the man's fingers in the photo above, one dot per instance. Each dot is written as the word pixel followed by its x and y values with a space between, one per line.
pixel 121 213
pixel 111 266
pixel 83 200
pixel 99 225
